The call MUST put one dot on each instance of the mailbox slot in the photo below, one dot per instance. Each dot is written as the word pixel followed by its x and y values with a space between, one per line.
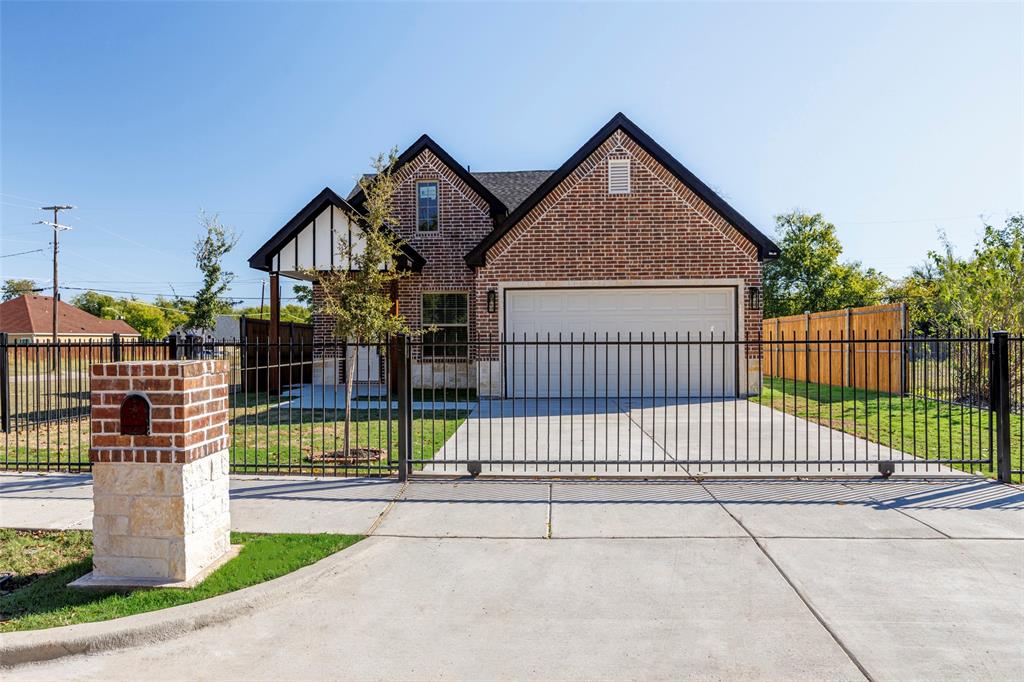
pixel 135 415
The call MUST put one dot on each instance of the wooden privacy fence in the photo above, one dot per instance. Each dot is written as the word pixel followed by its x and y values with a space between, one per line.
pixel 292 352
pixel 858 356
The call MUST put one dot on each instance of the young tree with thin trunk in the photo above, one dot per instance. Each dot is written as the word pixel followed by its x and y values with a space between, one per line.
pixel 359 300
pixel 210 249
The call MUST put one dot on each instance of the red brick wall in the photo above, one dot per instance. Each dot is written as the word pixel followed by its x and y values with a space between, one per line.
pixel 189 410
pixel 660 230
pixel 323 330
pixel 464 220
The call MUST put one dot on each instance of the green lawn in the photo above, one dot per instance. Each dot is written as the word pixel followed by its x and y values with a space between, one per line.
pixel 925 428
pixel 444 394
pixel 279 437
pixel 268 437
pixel 44 562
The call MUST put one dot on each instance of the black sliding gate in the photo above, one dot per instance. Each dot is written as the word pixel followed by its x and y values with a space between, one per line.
pixel 580 405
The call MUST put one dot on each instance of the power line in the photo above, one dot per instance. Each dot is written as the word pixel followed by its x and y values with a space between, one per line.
pixel 22 253
pixel 150 293
pixel 15 196
pixel 155 281
pixel 23 241
pixel 887 221
pixel 136 243
pixel 148 209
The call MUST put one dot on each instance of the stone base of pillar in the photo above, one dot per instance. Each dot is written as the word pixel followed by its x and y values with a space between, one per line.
pixel 104 583
pixel 159 523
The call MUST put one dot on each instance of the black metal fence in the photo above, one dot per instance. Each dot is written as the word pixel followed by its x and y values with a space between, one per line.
pixel 577 405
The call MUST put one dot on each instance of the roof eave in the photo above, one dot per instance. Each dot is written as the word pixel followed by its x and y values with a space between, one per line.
pixel 261 259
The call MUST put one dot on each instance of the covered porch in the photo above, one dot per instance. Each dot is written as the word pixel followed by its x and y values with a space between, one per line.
pixel 324 236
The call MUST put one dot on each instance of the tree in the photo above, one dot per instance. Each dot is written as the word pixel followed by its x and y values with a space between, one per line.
pixel 304 294
pixel 147 319
pixel 289 313
pixel 152 320
pixel 100 305
pixel 13 288
pixel 983 291
pixel 358 300
pixel 210 249
pixel 809 277
pixel 917 291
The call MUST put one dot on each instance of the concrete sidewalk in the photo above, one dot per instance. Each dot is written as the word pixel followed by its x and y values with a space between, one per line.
pixel 277 504
pixel 725 579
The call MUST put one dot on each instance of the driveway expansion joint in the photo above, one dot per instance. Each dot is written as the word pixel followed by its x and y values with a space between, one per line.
pixel 796 590
pixel 387 508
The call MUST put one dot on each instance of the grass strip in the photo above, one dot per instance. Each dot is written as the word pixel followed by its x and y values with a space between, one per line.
pixel 44 562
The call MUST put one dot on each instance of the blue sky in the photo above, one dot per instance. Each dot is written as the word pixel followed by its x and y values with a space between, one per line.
pixel 895 121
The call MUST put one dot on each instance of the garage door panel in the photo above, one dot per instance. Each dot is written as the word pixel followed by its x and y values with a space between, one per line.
pixel 653 371
pixel 524 304
pixel 641 316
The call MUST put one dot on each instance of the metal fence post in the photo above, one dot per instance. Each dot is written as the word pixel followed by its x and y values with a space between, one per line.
pixel 5 386
pixel 848 352
pixel 172 347
pixel 401 347
pixel 999 390
pixel 115 347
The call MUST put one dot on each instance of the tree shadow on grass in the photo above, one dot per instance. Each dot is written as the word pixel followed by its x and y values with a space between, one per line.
pixel 47 593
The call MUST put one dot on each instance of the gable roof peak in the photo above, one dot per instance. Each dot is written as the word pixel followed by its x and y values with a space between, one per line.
pixel 263 258
pixel 497 208
pixel 766 249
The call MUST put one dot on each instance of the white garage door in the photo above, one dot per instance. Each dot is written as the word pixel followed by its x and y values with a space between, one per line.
pixel 619 368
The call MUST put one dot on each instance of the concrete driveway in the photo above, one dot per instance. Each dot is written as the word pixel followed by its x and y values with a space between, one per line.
pixel 726 579
pixel 657 437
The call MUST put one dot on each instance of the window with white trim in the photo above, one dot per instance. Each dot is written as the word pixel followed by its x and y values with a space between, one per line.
pixel 448 313
pixel 618 176
pixel 426 206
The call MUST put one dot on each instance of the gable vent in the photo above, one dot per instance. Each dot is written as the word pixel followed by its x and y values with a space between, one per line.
pixel 618 176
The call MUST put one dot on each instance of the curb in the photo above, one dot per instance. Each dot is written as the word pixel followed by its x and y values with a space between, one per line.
pixel 36 646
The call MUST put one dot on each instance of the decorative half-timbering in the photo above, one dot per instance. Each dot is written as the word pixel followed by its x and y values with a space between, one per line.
pixel 319 238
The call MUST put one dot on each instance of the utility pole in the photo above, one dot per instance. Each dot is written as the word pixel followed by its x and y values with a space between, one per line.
pixel 263 288
pixel 57 229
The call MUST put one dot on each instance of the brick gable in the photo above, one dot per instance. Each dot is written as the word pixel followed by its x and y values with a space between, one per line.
pixel 464 219
pixel 661 230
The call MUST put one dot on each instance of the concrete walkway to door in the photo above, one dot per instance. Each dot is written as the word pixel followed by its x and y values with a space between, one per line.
pixel 709 437
pixel 725 579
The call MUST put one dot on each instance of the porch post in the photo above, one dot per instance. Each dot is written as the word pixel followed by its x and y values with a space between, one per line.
pixel 274 340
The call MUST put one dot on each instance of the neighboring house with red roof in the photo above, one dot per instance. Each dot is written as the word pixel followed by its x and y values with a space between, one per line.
pixel 30 318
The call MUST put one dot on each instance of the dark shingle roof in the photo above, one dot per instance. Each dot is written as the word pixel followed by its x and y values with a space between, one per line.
pixel 355 188
pixel 512 187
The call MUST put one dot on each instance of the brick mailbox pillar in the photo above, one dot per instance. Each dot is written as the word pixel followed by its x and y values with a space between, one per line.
pixel 160 472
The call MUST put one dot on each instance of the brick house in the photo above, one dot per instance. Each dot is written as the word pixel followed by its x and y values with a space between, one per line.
pixel 621 239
